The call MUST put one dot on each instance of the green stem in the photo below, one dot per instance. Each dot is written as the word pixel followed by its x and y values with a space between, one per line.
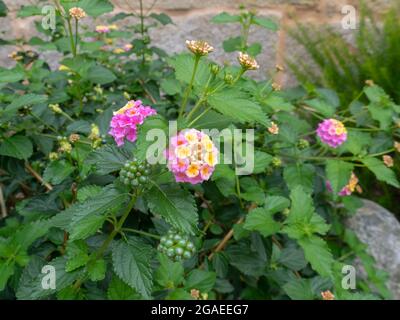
pixel 44 123
pixel 238 191
pixel 71 37
pixel 198 117
pixel 142 28
pixel 142 233
pixel 76 36
pixel 99 253
pixel 189 88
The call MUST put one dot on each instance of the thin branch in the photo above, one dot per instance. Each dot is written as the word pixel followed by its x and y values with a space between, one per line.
pixel 2 203
pixel 38 177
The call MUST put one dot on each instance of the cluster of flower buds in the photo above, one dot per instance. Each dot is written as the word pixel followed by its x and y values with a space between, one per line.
pixel 64 145
pixel 176 246
pixel 247 62
pixel 198 47
pixel 273 128
pixel 135 173
pixel 77 13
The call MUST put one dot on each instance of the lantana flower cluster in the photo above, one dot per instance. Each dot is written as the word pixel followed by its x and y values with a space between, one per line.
pixel 125 121
pixel 332 132
pixel 192 156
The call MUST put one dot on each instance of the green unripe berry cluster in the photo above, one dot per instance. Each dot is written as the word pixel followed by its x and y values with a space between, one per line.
pixel 135 173
pixel 303 144
pixel 176 246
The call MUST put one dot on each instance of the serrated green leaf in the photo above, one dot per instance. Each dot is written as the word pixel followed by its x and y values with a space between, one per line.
pixel 302 208
pixel 201 280
pixel 174 204
pixel 238 107
pixel 108 159
pixel 17 146
pixel 87 192
pixel 119 290
pixel 184 65
pixel 25 100
pixel 169 274
pixel 266 23
pixel 381 172
pixel 299 175
pixel 57 171
pixel 299 289
pixel 99 74
pixel 97 270
pixel 131 261
pixel 317 253
pixel 225 17
pixel 262 221
pixel 338 173
pixel 6 271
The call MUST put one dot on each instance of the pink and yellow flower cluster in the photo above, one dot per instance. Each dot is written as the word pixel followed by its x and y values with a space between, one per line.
pixel 349 188
pixel 125 121
pixel 192 156
pixel 332 132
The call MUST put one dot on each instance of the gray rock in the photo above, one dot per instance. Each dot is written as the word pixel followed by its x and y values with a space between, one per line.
pixel 380 230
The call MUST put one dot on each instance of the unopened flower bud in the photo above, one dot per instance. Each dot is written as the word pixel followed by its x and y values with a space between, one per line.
pixel 77 13
pixel 276 162
pixel 273 129
pixel 53 156
pixel 303 144
pixel 198 47
pixel 276 87
pixel 228 78
pixel 74 137
pixel 397 146
pixel 247 62
pixel 369 83
pixel 55 108
pixel 327 295
pixel 215 69
pixel 388 161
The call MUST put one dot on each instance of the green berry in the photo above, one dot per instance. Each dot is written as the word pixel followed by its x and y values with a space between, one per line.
pixel 177 246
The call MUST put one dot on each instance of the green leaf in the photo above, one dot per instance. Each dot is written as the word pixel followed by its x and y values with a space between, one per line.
pixel 29 11
pixel 162 18
pixel 292 258
pixel 338 173
pixel 143 146
pixel 381 172
pixel 30 287
pixel 25 100
pixel 17 146
pixel 176 205
pixel 171 86
pixel 299 175
pixel 382 114
pixel 254 49
pixel 82 219
pixel 77 254
pixel 57 171
pixel 225 17
pixel 201 280
pixel 100 75
pixel 317 253
pixel 11 75
pixel 6 271
pixel 131 261
pixel 3 10
pixel 97 270
pixel 265 23
pixel 184 65
pixel 246 261
pixel 87 191
pixel 119 290
pixel 261 220
pixel 108 159
pixel 302 208
pixel 276 204
pixel 232 44
pixel 321 106
pixel 261 161
pixel 278 103
pixel 299 289
pixel 169 274
pixel 238 107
